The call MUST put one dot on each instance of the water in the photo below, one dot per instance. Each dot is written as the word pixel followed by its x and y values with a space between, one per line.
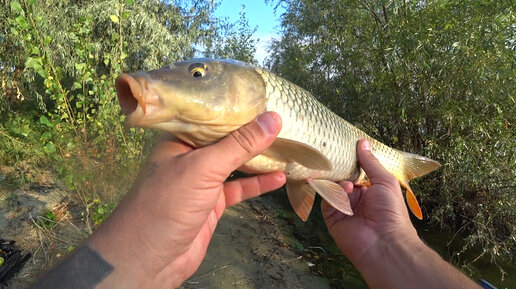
pixel 448 245
pixel 334 266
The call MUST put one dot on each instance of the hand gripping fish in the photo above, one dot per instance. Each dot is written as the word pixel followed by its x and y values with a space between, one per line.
pixel 202 100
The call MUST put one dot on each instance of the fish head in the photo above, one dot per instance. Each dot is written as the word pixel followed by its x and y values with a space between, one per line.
pixel 199 100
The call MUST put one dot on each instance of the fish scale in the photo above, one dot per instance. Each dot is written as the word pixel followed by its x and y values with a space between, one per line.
pixel 290 101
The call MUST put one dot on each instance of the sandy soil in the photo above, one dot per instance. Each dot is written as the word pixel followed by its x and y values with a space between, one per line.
pixel 250 249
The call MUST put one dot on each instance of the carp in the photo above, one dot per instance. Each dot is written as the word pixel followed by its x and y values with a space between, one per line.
pixel 201 101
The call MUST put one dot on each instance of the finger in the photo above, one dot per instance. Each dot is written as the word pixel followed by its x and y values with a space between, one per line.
pixel 372 167
pixel 350 188
pixel 347 186
pixel 242 189
pixel 330 214
pixel 242 145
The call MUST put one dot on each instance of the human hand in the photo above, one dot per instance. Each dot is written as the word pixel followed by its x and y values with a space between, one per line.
pixel 379 211
pixel 158 235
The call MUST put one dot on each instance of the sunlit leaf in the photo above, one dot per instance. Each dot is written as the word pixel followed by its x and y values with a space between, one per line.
pixel 114 18
pixel 44 120
pixel 50 148
pixel 16 7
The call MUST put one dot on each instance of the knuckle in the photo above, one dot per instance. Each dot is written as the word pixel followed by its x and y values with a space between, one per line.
pixel 245 139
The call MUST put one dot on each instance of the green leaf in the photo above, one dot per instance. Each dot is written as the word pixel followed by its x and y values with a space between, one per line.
pixel 129 2
pixel 44 120
pixel 35 51
pixel 59 72
pixel 14 31
pixel 36 64
pixel 32 2
pixel 126 14
pixel 114 18
pixel 42 72
pixel 29 63
pixel 50 148
pixel 79 66
pixel 16 7
pixel 22 21
pixel 46 135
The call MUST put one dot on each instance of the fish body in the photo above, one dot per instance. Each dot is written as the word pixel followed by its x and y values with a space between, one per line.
pixel 202 100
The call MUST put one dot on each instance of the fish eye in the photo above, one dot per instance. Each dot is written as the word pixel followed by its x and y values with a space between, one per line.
pixel 197 70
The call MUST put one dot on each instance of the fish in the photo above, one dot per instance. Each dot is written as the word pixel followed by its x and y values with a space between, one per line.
pixel 201 101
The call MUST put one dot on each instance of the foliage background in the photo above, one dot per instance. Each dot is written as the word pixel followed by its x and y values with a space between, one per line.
pixel 432 77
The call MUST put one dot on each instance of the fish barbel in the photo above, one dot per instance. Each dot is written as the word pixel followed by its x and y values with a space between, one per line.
pixel 202 100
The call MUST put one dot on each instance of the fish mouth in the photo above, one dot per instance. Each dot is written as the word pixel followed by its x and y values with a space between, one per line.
pixel 130 92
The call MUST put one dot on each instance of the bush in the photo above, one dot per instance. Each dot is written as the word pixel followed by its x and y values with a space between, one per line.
pixel 58 64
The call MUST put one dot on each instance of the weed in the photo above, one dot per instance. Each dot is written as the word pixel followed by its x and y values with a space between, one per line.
pixel 101 211
pixel 47 219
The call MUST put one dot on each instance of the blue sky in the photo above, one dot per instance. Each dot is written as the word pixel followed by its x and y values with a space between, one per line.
pixel 260 15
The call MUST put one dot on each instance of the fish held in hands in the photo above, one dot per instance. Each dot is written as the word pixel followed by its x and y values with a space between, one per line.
pixel 201 101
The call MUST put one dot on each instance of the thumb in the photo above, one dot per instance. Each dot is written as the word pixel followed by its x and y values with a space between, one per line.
pixel 370 164
pixel 243 144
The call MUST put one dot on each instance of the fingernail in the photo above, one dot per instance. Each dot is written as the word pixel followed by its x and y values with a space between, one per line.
pixel 268 123
pixel 366 146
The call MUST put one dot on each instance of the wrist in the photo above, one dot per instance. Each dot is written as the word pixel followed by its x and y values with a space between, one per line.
pixel 121 246
pixel 390 247
pixel 391 259
pixel 127 273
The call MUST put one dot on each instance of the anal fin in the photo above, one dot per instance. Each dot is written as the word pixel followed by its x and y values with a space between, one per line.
pixel 301 196
pixel 333 193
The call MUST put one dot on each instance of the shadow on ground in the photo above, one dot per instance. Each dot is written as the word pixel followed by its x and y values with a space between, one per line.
pixel 262 244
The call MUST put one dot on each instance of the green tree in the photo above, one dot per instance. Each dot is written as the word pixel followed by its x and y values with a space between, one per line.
pixel 432 77
pixel 234 40
pixel 58 64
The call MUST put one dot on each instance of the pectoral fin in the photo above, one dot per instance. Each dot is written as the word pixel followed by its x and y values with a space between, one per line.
pixel 301 196
pixel 293 151
pixel 333 193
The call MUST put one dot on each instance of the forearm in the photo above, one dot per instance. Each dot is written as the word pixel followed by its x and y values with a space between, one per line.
pixel 409 263
pixel 108 260
pixel 135 263
pixel 86 268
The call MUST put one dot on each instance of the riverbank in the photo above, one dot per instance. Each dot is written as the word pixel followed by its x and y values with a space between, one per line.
pixel 260 243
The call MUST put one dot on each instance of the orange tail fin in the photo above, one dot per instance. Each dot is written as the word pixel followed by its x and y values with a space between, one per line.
pixel 415 166
pixel 412 201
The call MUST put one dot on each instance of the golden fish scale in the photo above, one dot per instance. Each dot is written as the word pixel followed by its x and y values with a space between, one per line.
pixel 307 121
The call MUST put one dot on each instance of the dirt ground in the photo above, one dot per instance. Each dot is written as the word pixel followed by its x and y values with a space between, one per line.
pixel 258 244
